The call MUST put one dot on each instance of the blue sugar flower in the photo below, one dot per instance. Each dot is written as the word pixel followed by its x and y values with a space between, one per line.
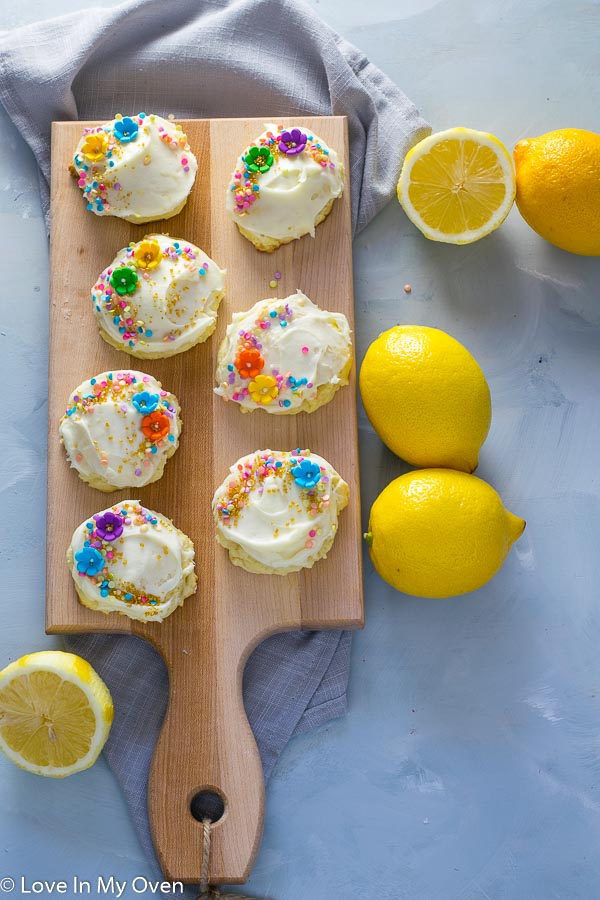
pixel 306 474
pixel 89 561
pixel 145 402
pixel 126 130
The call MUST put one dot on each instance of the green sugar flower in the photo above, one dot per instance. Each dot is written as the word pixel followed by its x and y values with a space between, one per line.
pixel 259 159
pixel 124 280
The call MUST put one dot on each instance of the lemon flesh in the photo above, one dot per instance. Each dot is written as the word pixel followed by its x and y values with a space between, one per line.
pixel 426 397
pixel 55 713
pixel 457 185
pixel 558 188
pixel 438 533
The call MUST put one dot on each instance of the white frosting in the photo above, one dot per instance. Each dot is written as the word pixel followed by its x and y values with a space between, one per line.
pixel 310 350
pixel 292 193
pixel 145 573
pixel 173 305
pixel 103 430
pixel 148 177
pixel 270 518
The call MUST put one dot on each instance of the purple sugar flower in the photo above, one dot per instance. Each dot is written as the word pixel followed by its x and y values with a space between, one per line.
pixel 109 526
pixel 292 142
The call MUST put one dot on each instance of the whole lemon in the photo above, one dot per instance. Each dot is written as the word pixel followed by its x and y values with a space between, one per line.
pixel 558 188
pixel 426 397
pixel 440 533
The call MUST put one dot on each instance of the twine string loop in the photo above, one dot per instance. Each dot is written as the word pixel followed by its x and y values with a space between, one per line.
pixel 207 891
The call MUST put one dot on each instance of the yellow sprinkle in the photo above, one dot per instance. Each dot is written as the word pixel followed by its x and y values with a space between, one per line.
pixel 273 284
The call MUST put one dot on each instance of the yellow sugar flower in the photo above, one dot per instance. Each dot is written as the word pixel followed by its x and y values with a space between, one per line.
pixel 147 254
pixel 263 389
pixel 95 145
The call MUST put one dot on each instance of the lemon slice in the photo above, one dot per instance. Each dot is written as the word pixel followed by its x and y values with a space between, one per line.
pixel 55 713
pixel 457 185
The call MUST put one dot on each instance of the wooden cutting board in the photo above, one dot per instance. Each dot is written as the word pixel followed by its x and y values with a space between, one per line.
pixel 206 742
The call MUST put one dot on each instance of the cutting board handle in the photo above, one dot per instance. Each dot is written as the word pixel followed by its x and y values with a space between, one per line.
pixel 206 745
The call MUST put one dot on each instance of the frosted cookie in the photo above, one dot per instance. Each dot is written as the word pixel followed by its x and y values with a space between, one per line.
pixel 283 186
pixel 139 168
pixel 284 356
pixel 133 561
pixel 158 297
pixel 119 430
pixel 277 512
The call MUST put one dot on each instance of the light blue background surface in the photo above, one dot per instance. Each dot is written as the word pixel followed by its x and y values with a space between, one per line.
pixel 468 765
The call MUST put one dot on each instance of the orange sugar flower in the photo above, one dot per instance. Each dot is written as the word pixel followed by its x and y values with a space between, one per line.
pixel 156 426
pixel 249 362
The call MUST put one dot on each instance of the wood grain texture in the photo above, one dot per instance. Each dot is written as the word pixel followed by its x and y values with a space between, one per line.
pixel 206 741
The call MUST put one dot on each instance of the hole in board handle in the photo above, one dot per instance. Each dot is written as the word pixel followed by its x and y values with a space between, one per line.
pixel 207 805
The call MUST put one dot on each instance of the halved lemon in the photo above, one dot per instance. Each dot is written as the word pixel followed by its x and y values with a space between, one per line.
pixel 55 713
pixel 457 185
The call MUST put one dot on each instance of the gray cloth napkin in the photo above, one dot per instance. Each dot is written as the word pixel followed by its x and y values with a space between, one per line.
pixel 197 59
